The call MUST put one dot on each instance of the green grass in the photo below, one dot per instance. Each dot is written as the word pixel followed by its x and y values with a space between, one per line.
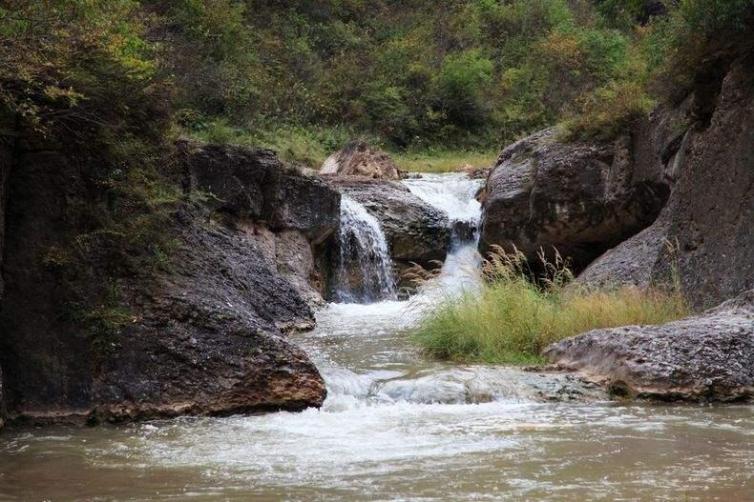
pixel 443 161
pixel 306 146
pixel 312 145
pixel 512 320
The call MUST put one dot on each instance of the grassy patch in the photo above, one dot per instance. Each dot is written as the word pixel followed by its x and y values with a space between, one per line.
pixel 310 146
pixel 608 112
pixel 307 146
pixel 434 161
pixel 513 319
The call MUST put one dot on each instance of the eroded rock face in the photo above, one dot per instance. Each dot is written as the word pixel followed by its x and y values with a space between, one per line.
pixel 360 159
pixel 709 357
pixel 292 218
pixel 205 335
pixel 415 231
pixel 255 184
pixel 210 339
pixel 290 254
pixel 578 198
pixel 709 216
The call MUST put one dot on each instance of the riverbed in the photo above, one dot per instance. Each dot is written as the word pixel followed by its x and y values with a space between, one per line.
pixel 397 425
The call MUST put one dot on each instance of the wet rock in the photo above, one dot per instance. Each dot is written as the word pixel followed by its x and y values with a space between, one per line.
pixel 709 357
pixel 463 231
pixel 416 232
pixel 360 159
pixel 708 218
pixel 482 384
pixel 580 198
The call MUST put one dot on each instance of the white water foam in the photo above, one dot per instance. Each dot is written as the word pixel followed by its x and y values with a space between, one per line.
pixel 453 193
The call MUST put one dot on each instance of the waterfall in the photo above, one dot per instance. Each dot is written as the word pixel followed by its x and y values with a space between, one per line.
pixel 455 195
pixel 365 270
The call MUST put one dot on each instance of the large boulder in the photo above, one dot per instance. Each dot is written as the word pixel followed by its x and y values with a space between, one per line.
pixel 416 232
pixel 709 217
pixel 709 357
pixel 577 198
pixel 256 184
pixel 294 218
pixel 209 338
pixel 89 337
pixel 360 159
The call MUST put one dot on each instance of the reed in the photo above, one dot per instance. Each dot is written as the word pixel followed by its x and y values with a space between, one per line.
pixel 514 318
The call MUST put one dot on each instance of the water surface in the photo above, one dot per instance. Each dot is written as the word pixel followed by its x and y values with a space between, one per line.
pixel 398 426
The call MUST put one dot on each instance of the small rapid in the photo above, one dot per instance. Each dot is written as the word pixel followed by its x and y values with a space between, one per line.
pixel 454 194
pixel 398 426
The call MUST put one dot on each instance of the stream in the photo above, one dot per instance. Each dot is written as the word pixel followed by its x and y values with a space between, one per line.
pixel 396 425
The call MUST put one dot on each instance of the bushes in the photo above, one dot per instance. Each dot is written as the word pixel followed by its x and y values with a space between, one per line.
pixel 697 35
pixel 513 319
pixel 608 111
pixel 460 86
pixel 474 73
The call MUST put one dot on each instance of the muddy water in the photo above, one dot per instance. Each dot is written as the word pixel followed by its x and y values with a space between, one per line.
pixel 397 426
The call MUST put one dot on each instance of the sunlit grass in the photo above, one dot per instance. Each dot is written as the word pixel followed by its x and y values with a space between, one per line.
pixel 512 319
pixel 435 161
pixel 310 146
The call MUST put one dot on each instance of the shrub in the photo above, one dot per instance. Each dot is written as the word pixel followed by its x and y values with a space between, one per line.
pixel 696 36
pixel 513 319
pixel 608 111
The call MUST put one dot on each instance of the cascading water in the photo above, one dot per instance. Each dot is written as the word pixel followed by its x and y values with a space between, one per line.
pixel 397 426
pixel 455 195
pixel 365 270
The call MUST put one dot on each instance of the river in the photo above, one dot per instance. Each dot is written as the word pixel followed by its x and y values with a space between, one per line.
pixel 396 425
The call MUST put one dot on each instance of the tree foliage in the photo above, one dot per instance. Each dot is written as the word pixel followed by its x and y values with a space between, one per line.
pixel 471 73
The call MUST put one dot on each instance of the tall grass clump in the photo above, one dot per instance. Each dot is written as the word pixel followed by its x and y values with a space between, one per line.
pixel 514 318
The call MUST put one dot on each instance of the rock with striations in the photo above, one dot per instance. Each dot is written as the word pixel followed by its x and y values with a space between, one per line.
pixel 577 198
pixel 360 159
pixel 709 218
pixel 255 184
pixel 709 357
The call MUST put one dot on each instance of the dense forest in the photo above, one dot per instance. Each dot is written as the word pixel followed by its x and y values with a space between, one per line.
pixel 304 77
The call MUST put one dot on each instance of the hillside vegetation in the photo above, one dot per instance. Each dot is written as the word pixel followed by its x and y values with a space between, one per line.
pixel 304 77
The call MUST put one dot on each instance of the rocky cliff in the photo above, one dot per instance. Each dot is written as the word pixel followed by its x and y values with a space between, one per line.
pixel 709 217
pixel 682 181
pixel 86 335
